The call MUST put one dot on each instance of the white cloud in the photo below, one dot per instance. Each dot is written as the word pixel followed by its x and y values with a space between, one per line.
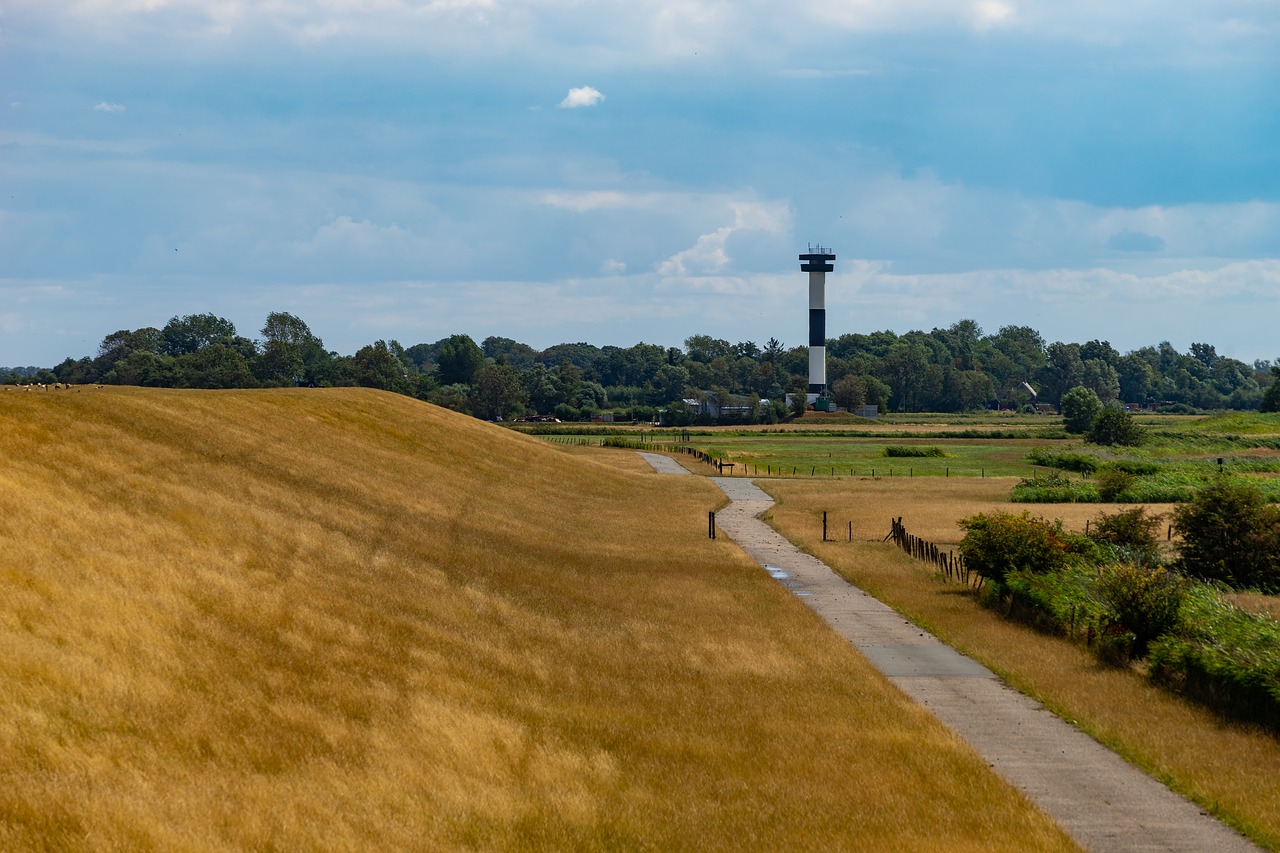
pixel 991 13
pixel 105 107
pixel 709 253
pixel 612 266
pixel 582 96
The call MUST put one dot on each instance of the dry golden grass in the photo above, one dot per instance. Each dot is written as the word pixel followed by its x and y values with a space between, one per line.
pixel 1234 771
pixel 342 620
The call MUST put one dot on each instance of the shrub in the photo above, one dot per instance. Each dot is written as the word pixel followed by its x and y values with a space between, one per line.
pixel 1222 656
pixel 1113 482
pixel 997 543
pixel 1114 426
pixel 1229 533
pixel 1065 601
pixel 1054 488
pixel 911 450
pixel 1142 601
pixel 1080 406
pixel 1084 463
pixel 1131 532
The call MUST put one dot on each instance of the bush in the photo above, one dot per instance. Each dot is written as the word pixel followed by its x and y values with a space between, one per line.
pixel 1113 481
pixel 911 450
pixel 1083 463
pixel 1143 602
pixel 1065 601
pixel 1113 426
pixel 1231 534
pixel 1054 488
pixel 1131 532
pixel 998 543
pixel 1222 656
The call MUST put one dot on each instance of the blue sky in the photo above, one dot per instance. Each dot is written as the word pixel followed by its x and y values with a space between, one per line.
pixel 613 172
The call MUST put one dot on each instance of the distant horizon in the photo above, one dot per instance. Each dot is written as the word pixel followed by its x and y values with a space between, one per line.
pixel 607 172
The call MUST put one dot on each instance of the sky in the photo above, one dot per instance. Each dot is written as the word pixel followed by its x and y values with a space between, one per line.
pixel 617 171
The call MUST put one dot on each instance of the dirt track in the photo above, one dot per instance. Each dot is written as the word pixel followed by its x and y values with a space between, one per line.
pixel 1104 803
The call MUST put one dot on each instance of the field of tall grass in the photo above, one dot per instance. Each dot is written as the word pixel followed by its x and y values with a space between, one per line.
pixel 341 619
pixel 1232 770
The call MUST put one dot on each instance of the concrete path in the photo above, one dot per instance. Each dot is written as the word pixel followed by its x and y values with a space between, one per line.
pixel 1104 803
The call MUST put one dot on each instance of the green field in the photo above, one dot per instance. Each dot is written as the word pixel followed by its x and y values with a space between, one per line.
pixel 817 455
pixel 1180 453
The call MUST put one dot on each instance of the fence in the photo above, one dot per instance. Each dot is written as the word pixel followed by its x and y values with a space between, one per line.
pixel 951 566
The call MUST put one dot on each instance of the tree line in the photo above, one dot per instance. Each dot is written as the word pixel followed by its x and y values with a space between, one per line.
pixel 955 369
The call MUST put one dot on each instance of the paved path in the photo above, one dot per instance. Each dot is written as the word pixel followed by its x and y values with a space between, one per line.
pixel 1104 803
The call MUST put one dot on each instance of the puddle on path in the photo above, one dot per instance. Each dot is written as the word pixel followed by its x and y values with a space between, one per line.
pixel 784 577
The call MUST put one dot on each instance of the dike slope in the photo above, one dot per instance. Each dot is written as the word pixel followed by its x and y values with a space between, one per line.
pixel 343 619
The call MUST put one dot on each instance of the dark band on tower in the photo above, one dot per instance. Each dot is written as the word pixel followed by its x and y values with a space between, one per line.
pixel 817 263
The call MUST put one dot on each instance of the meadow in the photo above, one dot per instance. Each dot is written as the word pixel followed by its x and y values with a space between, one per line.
pixel 1232 770
pixel 342 619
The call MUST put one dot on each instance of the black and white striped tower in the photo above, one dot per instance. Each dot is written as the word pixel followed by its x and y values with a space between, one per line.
pixel 817 263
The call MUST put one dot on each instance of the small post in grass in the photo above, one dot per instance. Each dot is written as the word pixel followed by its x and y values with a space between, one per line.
pixel 824 525
pixel 711 524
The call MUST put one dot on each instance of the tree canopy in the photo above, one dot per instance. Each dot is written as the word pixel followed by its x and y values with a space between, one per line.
pixel 953 369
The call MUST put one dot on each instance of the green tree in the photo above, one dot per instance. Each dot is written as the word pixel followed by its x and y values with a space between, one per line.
pixel 704 348
pixel 216 365
pixel 141 367
pixel 1115 426
pixel 290 352
pixel 1080 406
pixel 773 350
pixel 182 335
pixel 518 355
pixel 849 391
pixel 499 393
pixel 376 366
pixel 1271 399
pixel 121 344
pixel 458 360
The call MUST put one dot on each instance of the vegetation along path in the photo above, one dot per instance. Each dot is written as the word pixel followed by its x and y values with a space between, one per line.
pixel 1103 802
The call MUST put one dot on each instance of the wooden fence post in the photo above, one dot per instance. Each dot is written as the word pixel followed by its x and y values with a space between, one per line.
pixel 711 524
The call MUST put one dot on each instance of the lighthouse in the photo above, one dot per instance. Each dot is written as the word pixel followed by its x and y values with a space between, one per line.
pixel 817 262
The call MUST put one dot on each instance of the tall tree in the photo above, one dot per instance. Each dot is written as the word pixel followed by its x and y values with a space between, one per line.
pixel 458 360
pixel 499 393
pixel 187 334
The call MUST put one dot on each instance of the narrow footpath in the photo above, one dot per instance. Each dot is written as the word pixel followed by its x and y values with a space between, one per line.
pixel 1103 802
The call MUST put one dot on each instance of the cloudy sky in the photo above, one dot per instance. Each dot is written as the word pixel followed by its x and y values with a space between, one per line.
pixel 613 171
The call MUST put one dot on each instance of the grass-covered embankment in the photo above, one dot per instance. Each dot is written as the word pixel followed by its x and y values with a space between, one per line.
pixel 342 619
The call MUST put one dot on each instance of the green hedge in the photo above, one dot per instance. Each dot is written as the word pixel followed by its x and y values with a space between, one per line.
pixel 1223 657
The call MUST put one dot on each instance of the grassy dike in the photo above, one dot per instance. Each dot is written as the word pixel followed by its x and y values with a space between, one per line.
pixel 1233 771
pixel 342 619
